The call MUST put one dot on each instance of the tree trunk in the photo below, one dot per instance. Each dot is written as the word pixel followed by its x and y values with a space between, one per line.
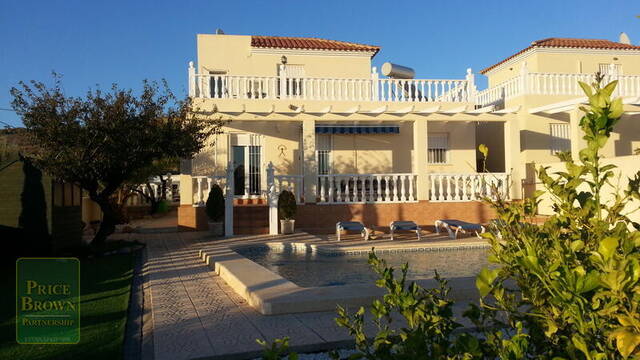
pixel 110 218
pixel 163 188
pixel 153 200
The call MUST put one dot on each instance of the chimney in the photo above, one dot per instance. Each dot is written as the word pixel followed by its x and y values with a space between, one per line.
pixel 624 38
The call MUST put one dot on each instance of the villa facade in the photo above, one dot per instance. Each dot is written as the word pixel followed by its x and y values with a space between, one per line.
pixel 313 116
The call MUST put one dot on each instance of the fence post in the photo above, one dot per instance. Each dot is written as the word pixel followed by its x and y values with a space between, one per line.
pixel 272 199
pixel 228 202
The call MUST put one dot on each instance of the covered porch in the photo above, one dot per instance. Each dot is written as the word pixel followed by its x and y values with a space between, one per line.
pixel 392 160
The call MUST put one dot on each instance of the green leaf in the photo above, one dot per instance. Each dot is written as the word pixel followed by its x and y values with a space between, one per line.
pixel 616 108
pixel 626 340
pixel 608 247
pixel 577 245
pixel 579 343
pixel 485 279
pixel 586 88
pixel 608 89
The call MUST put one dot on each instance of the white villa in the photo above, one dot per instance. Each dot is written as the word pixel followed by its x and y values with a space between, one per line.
pixel 313 116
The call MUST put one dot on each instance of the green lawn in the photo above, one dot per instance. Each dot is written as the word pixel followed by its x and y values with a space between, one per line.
pixel 105 287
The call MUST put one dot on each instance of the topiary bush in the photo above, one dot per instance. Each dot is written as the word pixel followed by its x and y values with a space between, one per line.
pixel 215 204
pixel 287 206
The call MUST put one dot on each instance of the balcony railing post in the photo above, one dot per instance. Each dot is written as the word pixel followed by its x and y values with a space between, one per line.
pixel 524 79
pixel 283 82
pixel 375 80
pixel 192 80
pixel 471 87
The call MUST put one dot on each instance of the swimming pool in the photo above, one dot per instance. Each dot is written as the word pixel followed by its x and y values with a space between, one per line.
pixel 313 269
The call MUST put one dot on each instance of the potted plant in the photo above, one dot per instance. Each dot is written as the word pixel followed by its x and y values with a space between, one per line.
pixel 215 210
pixel 286 211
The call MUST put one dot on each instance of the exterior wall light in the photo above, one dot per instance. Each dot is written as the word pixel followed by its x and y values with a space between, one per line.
pixel 283 60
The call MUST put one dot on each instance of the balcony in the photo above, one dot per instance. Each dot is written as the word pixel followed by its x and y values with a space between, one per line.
pixel 330 89
pixel 530 83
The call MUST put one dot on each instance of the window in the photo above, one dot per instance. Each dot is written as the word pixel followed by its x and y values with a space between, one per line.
pixel 438 152
pixel 560 138
pixel 605 69
pixel 323 153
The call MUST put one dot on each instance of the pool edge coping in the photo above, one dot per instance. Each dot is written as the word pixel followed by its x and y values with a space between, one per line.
pixel 272 294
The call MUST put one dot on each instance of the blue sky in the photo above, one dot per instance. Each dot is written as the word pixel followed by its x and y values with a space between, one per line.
pixel 101 42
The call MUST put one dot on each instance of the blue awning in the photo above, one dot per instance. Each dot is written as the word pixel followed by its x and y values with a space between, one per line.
pixel 357 129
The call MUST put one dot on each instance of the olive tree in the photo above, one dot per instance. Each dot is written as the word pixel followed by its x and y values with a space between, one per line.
pixel 101 140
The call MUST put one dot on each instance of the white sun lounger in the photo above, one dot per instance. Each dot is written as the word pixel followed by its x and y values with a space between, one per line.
pixel 352 226
pixel 404 225
pixel 460 226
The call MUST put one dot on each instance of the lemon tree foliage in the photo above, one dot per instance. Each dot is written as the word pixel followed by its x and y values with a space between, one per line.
pixel 573 282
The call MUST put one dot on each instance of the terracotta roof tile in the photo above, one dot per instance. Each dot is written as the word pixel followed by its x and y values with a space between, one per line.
pixel 568 43
pixel 282 42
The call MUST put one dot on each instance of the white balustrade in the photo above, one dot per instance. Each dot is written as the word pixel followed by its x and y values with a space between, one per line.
pixel 203 184
pixel 291 183
pixel 468 187
pixel 366 188
pixel 274 87
pixel 553 84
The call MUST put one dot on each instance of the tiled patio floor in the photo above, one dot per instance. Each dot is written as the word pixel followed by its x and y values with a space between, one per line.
pixel 195 314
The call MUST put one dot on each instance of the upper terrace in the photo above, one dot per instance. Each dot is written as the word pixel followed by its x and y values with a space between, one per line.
pixel 308 69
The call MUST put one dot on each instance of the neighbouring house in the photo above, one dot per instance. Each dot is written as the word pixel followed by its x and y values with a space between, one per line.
pixel 37 213
pixel 313 116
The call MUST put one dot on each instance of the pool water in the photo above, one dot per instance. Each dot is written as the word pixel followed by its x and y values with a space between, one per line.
pixel 311 269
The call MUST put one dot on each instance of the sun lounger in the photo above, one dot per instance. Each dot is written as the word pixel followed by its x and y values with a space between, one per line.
pixel 460 226
pixel 404 225
pixel 352 226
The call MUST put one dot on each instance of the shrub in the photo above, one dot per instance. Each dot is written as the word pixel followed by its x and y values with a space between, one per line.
pixel 215 204
pixel 287 205
pixel 574 282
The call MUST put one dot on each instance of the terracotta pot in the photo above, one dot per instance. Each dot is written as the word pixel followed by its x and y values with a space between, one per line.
pixel 286 226
pixel 216 228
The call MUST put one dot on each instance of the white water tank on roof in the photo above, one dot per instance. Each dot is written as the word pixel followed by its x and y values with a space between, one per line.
pixel 397 71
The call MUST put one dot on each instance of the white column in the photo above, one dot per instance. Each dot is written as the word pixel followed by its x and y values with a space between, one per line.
pixel 272 199
pixel 228 202
pixel 192 80
pixel 577 143
pixel 524 79
pixel 374 84
pixel 515 164
pixel 471 87
pixel 309 167
pixel 186 182
pixel 420 158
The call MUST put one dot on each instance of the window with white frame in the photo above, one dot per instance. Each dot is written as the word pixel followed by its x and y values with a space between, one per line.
pixel 323 154
pixel 560 138
pixel 605 69
pixel 438 148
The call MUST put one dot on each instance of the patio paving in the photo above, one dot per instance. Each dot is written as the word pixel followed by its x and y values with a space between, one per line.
pixel 196 315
